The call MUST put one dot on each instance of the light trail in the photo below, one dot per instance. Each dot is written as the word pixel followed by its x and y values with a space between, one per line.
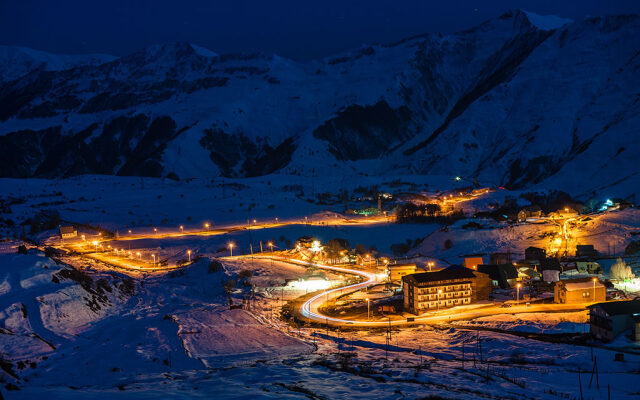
pixel 309 308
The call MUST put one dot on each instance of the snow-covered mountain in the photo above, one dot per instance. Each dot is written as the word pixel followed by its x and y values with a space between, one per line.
pixel 16 61
pixel 520 100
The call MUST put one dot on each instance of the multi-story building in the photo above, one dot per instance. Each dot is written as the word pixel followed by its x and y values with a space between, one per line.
pixel 450 287
pixel 608 320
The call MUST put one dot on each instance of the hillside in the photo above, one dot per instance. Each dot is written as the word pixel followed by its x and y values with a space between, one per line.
pixel 521 101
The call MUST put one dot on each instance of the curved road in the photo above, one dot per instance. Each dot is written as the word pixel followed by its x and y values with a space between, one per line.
pixel 309 308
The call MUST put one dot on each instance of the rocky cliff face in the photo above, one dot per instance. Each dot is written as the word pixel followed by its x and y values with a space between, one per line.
pixel 520 100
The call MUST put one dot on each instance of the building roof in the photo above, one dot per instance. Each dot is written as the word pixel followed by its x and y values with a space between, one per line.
pixel 619 307
pixel 454 272
pixel 532 248
pixel 402 265
pixel 67 229
pixel 581 285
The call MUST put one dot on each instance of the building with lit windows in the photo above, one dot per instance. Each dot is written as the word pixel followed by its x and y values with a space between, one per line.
pixel 581 290
pixel 450 287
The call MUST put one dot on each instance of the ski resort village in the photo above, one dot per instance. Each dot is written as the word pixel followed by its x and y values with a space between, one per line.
pixel 445 215
pixel 383 290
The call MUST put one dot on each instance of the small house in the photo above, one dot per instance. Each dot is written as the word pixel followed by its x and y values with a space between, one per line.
pixel 581 290
pixel 590 267
pixel 550 269
pixel 535 254
pixel 529 212
pixel 610 319
pixel 502 275
pixel 67 232
pixel 586 250
pixel 397 271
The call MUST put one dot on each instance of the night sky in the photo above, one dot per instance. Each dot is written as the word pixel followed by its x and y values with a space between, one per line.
pixel 298 29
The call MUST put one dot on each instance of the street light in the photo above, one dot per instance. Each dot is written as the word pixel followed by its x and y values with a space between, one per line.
pixel 368 308
pixel 181 229
pixel 95 243
pixel 206 225
pixel 270 244
pixel 430 264
pixel 155 230
pixel 231 248
pixel 83 237
pixel 139 255
pixel 518 294
pixel 154 259
pixel 594 288
pixel 189 253
pixel 129 231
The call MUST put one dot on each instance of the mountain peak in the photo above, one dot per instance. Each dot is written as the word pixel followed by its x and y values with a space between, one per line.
pixel 545 22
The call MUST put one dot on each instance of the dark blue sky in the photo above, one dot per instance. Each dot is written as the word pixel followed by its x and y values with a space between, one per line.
pixel 299 29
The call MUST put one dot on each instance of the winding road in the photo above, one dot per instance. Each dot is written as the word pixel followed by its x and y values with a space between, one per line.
pixel 309 309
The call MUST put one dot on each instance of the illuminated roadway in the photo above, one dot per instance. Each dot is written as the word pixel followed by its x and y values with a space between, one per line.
pixel 309 309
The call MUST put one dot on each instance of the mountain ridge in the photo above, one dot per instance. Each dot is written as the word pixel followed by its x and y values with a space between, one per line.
pixel 484 103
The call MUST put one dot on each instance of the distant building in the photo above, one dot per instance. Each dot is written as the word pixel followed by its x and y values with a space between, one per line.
pixel 610 319
pixel 449 287
pixel 502 275
pixel 397 271
pixel 590 267
pixel 305 242
pixel 68 232
pixel 550 269
pixel 500 258
pixel 529 212
pixel 582 290
pixel 535 254
pixel 586 250
pixel 472 262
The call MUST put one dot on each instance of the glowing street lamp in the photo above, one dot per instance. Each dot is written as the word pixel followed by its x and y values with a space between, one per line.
pixel 518 294
pixel 206 225
pixel 430 264
pixel 154 259
pixel 231 249
pixel 155 230
pixel 458 178
pixel 368 308
pixel 181 229
pixel 270 244
pixel 129 231
pixel 189 253
pixel 95 243
pixel 276 220
pixel 139 255
pixel 83 239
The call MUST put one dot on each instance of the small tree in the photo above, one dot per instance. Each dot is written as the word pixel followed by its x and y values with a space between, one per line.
pixel 621 271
